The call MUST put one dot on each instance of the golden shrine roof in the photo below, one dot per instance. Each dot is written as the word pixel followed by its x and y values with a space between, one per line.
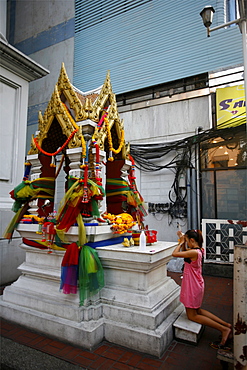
pixel 70 107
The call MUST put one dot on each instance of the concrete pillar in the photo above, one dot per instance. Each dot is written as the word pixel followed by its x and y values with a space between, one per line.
pixel 35 174
pixel 102 175
pixel 75 162
pixel 240 306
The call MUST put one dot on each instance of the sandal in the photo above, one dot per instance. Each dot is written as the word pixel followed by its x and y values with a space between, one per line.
pixel 217 345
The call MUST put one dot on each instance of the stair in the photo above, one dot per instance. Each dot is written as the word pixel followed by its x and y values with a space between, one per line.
pixel 187 330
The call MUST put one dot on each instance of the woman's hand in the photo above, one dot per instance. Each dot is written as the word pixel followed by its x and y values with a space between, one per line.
pixel 181 237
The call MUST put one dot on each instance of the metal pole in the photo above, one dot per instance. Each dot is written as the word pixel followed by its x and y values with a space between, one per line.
pixel 240 306
pixel 197 166
pixel 236 21
pixel 243 26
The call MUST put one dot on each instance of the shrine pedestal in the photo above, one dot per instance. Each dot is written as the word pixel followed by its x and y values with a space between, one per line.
pixel 136 308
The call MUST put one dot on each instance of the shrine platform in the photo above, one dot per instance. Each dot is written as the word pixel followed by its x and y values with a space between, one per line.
pixel 25 348
pixel 136 308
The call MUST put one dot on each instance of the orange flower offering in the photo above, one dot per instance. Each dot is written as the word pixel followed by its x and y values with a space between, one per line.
pixel 121 223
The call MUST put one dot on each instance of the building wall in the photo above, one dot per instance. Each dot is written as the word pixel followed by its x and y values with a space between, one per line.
pixel 157 121
pixel 143 46
pixel 16 71
pixel 46 36
pixel 12 152
pixel 150 43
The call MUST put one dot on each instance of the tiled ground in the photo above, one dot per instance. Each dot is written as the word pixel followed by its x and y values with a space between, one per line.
pixel 218 299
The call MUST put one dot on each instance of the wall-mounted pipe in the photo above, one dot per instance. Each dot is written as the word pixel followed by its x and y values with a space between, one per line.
pixel 198 187
pixel 194 208
pixel 188 185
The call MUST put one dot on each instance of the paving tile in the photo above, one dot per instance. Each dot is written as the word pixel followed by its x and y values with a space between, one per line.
pixel 37 342
pixel 172 367
pixel 144 366
pixel 45 341
pixel 63 352
pixel 72 354
pixel 171 361
pixel 111 355
pixel 134 360
pixel 6 325
pixel 152 362
pixel 121 366
pixel 175 355
pixel 106 365
pixel 4 332
pixel 23 339
pixel 100 350
pixel 57 344
pixel 79 360
pixel 50 350
pixel 172 345
pixel 89 355
pixel 14 331
pixel 126 357
pixel 98 363
pixel 117 350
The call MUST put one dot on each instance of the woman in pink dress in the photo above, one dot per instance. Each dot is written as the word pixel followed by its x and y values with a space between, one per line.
pixel 192 288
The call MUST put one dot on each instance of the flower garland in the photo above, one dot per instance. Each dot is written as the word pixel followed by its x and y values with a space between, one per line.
pixel 83 143
pixel 70 117
pixel 132 175
pixel 102 120
pixel 97 164
pixel 111 149
pixel 59 149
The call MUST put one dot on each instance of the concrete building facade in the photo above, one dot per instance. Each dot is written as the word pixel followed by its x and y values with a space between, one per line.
pixel 164 71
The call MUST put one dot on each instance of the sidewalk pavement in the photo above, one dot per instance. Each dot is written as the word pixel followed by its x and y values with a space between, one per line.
pixel 24 349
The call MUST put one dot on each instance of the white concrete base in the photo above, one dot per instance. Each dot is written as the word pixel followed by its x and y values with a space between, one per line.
pixel 94 233
pixel 135 309
pixel 11 256
pixel 187 330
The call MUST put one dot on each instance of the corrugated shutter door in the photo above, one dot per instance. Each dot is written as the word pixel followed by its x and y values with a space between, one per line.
pixel 144 43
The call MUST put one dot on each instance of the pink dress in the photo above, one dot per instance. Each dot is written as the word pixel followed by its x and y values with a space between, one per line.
pixel 192 288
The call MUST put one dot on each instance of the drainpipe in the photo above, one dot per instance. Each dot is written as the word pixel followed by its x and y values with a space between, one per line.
pixel 188 184
pixel 198 188
pixel 194 208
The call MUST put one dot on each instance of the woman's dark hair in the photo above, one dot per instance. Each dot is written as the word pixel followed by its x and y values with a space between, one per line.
pixel 196 235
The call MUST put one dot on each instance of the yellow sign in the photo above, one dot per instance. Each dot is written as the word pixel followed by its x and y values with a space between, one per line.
pixel 230 106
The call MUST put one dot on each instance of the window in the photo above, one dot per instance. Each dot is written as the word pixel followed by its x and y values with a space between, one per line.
pixel 224 177
pixel 232 10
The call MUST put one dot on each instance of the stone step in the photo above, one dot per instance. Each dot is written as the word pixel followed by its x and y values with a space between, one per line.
pixel 187 330
pixel 225 356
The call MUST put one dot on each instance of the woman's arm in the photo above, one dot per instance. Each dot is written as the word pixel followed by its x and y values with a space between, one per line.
pixel 189 253
pixel 181 240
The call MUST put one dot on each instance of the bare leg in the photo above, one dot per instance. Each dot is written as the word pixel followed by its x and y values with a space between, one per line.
pixel 206 313
pixel 204 320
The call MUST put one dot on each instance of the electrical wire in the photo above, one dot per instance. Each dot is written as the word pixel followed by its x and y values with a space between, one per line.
pixel 146 157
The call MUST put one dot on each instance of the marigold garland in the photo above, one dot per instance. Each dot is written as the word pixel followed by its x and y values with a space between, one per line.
pixel 97 163
pixel 111 149
pixel 83 143
pixel 70 117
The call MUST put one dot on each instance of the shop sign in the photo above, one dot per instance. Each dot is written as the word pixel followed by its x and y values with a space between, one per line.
pixel 230 106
